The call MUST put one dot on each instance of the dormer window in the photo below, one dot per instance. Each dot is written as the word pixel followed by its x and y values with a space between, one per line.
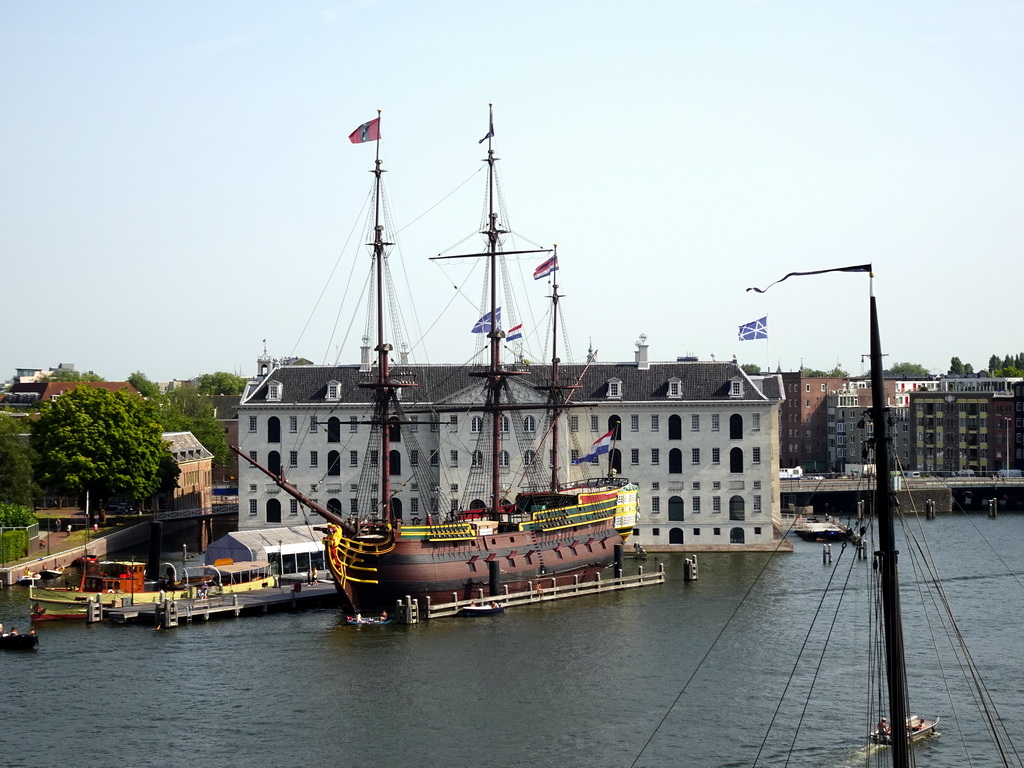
pixel 735 388
pixel 675 388
pixel 614 389
pixel 333 391
pixel 274 389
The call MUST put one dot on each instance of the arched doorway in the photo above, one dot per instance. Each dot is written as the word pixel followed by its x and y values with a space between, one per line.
pixel 675 536
pixel 737 536
pixel 273 430
pixel 273 511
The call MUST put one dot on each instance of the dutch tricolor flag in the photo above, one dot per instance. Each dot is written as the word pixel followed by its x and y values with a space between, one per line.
pixel 600 447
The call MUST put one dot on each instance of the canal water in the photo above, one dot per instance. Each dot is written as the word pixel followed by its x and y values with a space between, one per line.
pixel 682 674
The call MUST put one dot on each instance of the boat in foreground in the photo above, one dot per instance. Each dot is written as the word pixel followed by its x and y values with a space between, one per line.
pixel 917 728
pixel 16 642
pixel 362 621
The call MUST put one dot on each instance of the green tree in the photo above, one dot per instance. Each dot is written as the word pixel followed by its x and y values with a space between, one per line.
pixel 751 369
pixel 995 362
pixel 91 439
pixel 956 368
pixel 68 375
pixel 16 485
pixel 184 409
pixel 220 383
pixel 145 387
pixel 1008 372
pixel 16 515
pixel 907 369
pixel 835 373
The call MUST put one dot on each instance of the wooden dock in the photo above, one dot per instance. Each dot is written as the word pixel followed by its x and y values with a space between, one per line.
pixel 409 611
pixel 173 613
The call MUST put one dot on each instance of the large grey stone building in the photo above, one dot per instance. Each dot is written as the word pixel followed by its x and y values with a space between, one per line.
pixel 700 439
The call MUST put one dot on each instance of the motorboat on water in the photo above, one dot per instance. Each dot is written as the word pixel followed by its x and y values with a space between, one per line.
pixel 917 728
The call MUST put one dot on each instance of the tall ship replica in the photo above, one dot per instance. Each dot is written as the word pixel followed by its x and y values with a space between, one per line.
pixel 498 535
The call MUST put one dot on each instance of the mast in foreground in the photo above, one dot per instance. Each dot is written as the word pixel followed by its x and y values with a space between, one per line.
pixel 886 557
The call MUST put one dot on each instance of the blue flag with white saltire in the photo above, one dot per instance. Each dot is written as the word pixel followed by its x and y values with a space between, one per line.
pixel 758 329
pixel 483 325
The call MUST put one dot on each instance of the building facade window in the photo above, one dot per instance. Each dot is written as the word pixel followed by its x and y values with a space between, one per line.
pixel 695 455
pixel 655 455
pixel 715 422
pixel 655 505
pixel 755 455
pixel 314 459
pixel 716 455
pixel 654 422
pixel 634 456
pixel 252 423
pixel 695 422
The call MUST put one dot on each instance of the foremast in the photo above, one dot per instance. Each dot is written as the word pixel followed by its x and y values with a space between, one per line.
pixel 383 383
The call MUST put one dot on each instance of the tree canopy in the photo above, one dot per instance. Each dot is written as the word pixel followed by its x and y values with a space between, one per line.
pixel 220 383
pixel 907 369
pixel 143 385
pixel 91 439
pixel 65 374
pixel 184 409
pixel 751 369
pixel 835 373
pixel 16 485
pixel 16 515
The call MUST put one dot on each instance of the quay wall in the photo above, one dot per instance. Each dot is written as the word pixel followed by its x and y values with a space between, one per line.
pixel 100 547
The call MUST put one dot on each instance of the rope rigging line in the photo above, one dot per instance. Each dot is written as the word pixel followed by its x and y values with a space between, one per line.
pixel 707 654
pixel 330 276
pixel 799 656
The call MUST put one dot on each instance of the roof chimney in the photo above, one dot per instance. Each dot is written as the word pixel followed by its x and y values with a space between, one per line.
pixel 641 353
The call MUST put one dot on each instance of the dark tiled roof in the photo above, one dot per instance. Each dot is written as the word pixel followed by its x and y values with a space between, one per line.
pixel 699 381
pixel 226 406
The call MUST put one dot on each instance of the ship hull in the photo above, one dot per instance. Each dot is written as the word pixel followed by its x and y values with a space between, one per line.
pixel 444 564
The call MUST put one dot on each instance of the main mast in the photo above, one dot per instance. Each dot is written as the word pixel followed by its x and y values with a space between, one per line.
pixel 495 378
pixel 895 665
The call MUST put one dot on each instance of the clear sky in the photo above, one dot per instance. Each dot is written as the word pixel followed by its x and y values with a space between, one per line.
pixel 176 184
